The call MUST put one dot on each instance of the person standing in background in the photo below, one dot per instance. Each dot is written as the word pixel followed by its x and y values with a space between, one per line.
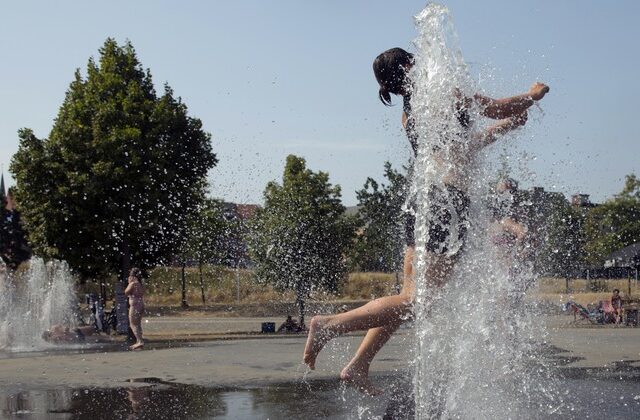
pixel 135 293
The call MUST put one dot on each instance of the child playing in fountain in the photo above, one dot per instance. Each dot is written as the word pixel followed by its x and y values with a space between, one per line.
pixel 616 304
pixel 135 292
pixel 507 215
pixel 381 317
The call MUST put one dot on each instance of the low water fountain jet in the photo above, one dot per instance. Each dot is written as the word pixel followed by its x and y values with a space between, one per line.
pixel 32 301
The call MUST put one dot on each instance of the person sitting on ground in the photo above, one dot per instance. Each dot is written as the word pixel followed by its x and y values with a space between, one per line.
pixel 289 326
pixel 59 334
pixel 606 311
pixel 383 316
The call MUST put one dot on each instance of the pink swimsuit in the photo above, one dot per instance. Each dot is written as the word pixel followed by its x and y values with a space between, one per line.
pixel 136 301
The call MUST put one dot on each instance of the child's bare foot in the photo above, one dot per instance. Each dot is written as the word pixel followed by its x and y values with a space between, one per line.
pixel 538 90
pixel 137 346
pixel 317 338
pixel 359 379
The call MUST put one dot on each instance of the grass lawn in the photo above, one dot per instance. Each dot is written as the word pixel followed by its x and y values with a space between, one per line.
pixel 226 285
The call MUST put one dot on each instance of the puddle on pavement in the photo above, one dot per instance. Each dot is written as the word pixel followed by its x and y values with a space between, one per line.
pixel 153 398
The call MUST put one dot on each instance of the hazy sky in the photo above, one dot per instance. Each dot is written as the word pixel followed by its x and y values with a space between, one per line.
pixel 269 78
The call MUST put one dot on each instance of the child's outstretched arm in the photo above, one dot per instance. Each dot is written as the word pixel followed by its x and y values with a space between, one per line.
pixel 513 106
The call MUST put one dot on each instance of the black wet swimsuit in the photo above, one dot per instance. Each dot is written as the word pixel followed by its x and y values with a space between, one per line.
pixel 441 201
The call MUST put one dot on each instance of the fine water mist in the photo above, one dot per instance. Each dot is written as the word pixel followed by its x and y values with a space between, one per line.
pixel 32 301
pixel 477 354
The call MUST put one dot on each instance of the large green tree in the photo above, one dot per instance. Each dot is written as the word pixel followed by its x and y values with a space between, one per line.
pixel 615 223
pixel 119 174
pixel 380 245
pixel 299 238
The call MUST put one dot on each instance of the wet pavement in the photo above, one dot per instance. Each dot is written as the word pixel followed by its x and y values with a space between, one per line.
pixel 598 375
pixel 238 362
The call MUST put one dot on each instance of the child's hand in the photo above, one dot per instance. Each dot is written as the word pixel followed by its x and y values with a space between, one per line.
pixel 538 90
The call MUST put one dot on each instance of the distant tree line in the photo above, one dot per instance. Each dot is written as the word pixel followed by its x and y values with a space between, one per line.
pixel 581 238
pixel 121 181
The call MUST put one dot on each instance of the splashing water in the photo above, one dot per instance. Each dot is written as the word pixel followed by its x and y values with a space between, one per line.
pixel 476 342
pixel 32 301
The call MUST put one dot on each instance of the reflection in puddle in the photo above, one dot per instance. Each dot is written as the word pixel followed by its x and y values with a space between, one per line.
pixel 152 398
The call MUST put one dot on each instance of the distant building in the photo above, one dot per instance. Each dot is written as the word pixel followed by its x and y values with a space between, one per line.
pixel 243 212
pixel 540 204
pixel 581 200
pixel 543 203
pixel 627 257
pixel 582 203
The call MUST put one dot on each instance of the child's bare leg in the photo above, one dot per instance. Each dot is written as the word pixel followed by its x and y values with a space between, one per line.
pixel 508 107
pixel 357 371
pixel 500 128
pixel 135 321
pixel 381 312
pixel 136 328
pixel 377 313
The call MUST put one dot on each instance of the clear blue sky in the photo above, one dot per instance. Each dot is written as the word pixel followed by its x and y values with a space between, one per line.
pixel 269 78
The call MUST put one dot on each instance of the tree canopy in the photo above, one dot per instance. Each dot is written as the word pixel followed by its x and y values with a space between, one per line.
pixel 380 246
pixel 614 224
pixel 577 239
pixel 299 238
pixel 207 233
pixel 119 174
pixel 563 250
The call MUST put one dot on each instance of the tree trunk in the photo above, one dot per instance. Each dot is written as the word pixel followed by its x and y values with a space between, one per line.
pixel 184 286
pixel 103 294
pixel 300 303
pixel 237 285
pixel 201 282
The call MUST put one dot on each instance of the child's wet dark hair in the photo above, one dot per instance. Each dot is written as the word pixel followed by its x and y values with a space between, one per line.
pixel 136 272
pixel 509 183
pixel 390 69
